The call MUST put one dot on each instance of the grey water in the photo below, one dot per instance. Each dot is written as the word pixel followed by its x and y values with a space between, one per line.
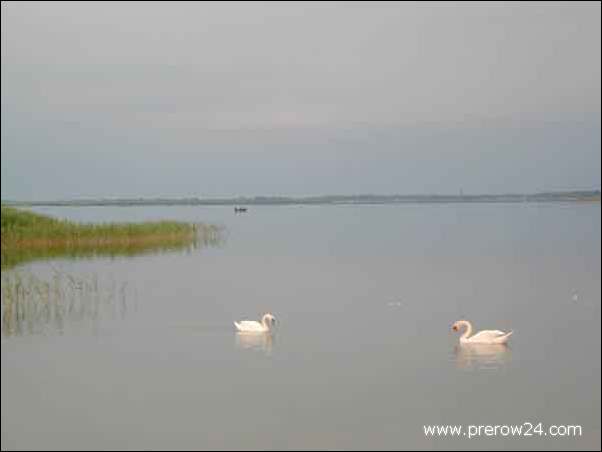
pixel 363 356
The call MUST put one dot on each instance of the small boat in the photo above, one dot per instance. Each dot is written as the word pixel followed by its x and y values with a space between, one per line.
pixel 240 209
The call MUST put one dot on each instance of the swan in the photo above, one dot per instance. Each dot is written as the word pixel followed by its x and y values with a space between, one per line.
pixel 252 326
pixel 482 337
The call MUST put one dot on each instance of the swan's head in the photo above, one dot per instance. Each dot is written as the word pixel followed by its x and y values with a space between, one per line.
pixel 457 326
pixel 269 318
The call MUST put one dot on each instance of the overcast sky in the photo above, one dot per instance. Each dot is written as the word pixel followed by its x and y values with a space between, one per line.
pixel 116 99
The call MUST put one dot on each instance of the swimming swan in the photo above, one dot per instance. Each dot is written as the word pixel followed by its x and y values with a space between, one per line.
pixel 482 337
pixel 252 326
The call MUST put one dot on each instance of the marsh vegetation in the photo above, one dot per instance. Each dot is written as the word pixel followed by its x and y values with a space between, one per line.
pixel 29 236
pixel 35 305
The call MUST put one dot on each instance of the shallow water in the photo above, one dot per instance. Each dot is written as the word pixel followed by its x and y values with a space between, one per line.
pixel 363 356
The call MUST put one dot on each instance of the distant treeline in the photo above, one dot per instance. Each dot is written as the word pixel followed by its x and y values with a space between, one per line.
pixel 581 195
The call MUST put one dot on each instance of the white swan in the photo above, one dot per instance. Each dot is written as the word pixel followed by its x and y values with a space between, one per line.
pixel 482 337
pixel 252 326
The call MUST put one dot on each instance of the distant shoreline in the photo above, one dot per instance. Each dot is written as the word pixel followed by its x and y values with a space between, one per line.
pixel 568 196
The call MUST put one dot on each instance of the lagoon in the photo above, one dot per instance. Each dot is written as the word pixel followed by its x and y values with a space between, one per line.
pixel 363 356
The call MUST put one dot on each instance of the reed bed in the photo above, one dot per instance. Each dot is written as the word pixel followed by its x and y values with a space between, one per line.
pixel 27 235
pixel 33 305
pixel 22 228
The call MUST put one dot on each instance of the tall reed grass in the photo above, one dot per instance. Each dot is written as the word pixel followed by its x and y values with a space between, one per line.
pixel 33 305
pixel 27 235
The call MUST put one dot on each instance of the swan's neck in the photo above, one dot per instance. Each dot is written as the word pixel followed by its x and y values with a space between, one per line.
pixel 468 331
pixel 265 322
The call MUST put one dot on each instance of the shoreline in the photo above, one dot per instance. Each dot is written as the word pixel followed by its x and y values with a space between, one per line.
pixel 573 196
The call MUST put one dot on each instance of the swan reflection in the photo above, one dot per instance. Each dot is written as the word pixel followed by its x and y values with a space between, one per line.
pixel 249 341
pixel 481 356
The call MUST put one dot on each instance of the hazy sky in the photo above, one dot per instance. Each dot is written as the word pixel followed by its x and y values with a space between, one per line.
pixel 222 99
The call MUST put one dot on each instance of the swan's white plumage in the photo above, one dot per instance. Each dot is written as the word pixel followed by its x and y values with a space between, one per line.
pixel 489 337
pixel 482 337
pixel 252 326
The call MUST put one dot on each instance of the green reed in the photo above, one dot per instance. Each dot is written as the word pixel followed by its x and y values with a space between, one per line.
pixel 29 236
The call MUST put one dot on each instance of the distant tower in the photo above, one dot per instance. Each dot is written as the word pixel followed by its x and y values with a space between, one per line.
pixel 461 193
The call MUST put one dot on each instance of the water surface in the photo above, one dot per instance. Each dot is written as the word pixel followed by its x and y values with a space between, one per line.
pixel 363 356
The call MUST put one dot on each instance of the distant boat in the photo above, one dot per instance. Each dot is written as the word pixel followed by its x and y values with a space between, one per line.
pixel 240 209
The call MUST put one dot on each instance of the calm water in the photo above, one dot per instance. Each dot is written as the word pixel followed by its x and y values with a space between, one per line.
pixel 363 356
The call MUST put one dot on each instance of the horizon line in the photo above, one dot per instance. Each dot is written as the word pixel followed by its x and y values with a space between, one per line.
pixel 459 195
